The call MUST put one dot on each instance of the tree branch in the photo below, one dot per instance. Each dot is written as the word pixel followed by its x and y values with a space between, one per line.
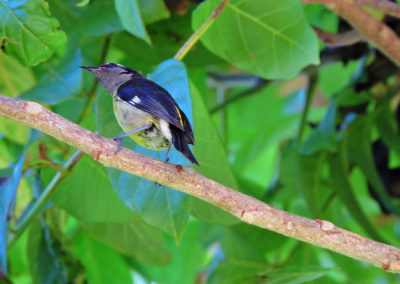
pixel 248 209
pixel 373 30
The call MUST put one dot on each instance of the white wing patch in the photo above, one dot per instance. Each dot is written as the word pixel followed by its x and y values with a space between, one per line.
pixel 135 100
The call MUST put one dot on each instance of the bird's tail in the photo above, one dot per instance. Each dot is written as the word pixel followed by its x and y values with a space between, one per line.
pixel 179 141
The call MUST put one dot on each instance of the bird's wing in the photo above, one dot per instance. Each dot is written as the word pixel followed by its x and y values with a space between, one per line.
pixel 152 98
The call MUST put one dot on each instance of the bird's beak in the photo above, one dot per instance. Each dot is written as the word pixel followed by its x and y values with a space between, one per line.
pixel 91 69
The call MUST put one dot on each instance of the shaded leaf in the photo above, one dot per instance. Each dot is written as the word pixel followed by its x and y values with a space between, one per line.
pixel 213 160
pixel 131 19
pixel 303 173
pixel 134 238
pixel 31 34
pixel 388 129
pixel 44 266
pixel 153 10
pixel 359 150
pixel 86 20
pixel 58 83
pixel 272 40
pixel 88 195
pixel 341 184
pixel 324 136
pixel 102 264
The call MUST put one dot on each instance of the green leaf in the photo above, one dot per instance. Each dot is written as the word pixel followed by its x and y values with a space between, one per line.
pixel 58 83
pixel 88 195
pixel 324 136
pixel 213 160
pixel 85 20
pixel 131 19
pixel 388 128
pixel 43 263
pixel 134 238
pixel 359 149
pixel 159 206
pixel 31 35
pixel 272 39
pixel 102 264
pixel 15 77
pixel 14 131
pixel 153 10
pixel 303 173
pixel 296 275
pixel 83 3
pixel 341 184
pixel 190 257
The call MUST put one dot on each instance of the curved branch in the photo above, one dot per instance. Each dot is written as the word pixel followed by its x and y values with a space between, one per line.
pixel 373 30
pixel 248 209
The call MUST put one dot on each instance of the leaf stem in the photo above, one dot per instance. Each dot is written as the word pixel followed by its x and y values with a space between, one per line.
pixel 200 31
pixel 43 198
pixel 309 96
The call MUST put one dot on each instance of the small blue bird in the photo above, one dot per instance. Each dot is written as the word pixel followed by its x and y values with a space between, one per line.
pixel 145 110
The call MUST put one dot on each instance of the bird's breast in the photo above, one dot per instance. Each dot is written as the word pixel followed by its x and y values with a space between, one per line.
pixel 131 118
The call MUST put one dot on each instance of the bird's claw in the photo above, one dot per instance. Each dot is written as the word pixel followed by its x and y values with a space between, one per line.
pixel 118 140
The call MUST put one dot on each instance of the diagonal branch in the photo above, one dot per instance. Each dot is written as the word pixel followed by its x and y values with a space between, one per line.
pixel 248 209
pixel 373 30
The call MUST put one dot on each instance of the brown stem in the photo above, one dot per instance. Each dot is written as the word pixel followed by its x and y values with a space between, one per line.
pixel 248 209
pixel 338 40
pixel 373 30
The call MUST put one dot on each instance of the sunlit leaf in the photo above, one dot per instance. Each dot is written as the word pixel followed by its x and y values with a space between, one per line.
pixel 31 35
pixel 153 10
pixel 272 40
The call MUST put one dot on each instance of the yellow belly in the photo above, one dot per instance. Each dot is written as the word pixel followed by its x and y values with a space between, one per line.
pixel 131 118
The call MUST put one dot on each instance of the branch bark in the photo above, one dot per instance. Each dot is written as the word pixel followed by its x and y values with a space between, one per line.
pixel 373 30
pixel 248 209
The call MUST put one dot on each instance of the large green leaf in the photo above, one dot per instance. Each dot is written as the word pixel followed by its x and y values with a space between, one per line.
pixel 58 83
pixel 213 160
pixel 134 238
pixel 131 19
pixel 102 264
pixel 31 34
pixel 88 195
pixel 160 206
pixel 271 38
pixel 303 173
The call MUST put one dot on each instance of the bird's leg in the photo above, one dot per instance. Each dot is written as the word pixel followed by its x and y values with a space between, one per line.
pixel 169 150
pixel 122 136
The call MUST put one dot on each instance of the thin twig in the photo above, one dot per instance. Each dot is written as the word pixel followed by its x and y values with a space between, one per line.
pixel 200 31
pixel 248 209
pixel 338 40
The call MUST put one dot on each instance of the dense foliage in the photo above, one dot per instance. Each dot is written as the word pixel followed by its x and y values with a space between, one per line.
pixel 276 114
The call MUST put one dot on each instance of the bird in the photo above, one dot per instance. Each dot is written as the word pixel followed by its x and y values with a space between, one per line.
pixel 145 111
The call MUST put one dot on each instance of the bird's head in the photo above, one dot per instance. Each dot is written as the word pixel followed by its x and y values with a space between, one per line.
pixel 111 75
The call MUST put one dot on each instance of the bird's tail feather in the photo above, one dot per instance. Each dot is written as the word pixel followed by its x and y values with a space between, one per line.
pixel 179 141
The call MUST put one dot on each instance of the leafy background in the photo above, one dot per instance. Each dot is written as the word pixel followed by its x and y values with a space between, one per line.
pixel 277 115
